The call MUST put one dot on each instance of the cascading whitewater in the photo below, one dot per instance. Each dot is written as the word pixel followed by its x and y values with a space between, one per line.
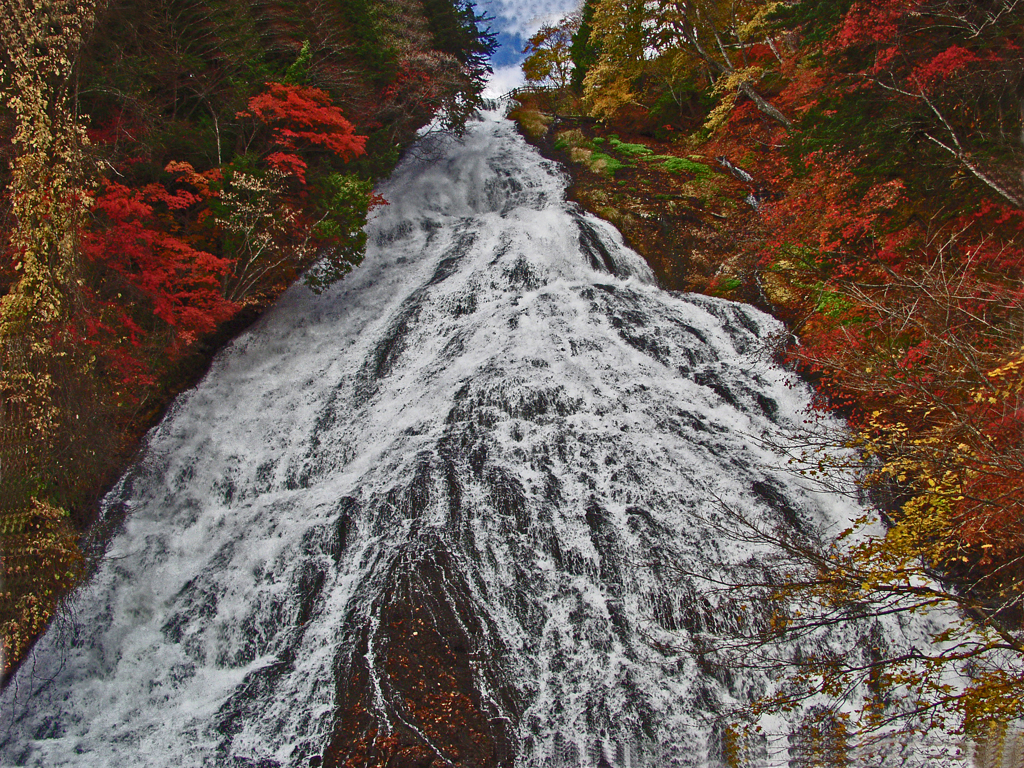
pixel 438 511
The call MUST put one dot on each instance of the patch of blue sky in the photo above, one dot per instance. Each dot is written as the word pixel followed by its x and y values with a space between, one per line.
pixel 514 21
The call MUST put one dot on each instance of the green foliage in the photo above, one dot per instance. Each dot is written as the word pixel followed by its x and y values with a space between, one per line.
pixel 458 32
pixel 834 305
pixel 378 59
pixel 298 73
pixel 382 154
pixel 731 283
pixel 855 122
pixel 345 200
pixel 683 165
pixel 584 51
pixel 682 103
pixel 816 18
pixel 456 28
pixel 605 164
pixel 633 150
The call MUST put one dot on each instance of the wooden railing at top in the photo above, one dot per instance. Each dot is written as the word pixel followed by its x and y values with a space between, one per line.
pixel 524 89
pixel 527 89
pixel 515 92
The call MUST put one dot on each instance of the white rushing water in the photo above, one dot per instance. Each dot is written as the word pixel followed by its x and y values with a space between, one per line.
pixel 498 413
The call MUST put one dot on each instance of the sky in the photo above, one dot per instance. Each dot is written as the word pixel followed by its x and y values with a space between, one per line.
pixel 515 21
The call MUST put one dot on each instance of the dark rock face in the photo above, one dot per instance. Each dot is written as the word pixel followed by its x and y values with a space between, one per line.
pixel 429 683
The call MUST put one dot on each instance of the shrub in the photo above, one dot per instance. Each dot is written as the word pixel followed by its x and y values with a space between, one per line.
pixel 602 163
pixel 684 165
pixel 631 149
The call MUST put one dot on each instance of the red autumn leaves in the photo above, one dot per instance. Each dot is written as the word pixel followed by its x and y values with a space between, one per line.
pixel 156 257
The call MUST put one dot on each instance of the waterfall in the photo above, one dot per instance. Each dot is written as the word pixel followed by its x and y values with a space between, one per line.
pixel 441 508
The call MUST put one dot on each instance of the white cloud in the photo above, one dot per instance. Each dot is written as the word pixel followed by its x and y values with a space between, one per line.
pixel 525 17
pixel 503 80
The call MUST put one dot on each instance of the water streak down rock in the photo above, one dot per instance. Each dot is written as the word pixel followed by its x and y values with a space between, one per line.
pixel 429 517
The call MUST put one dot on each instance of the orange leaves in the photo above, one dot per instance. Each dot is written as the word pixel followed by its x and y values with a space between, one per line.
pixel 929 351
pixel 119 203
pixel 828 216
pixel 174 287
pixel 289 164
pixel 803 91
pixel 890 232
pixel 186 174
pixel 304 117
pixel 178 200
pixel 873 23
pixel 943 65
pixel 277 214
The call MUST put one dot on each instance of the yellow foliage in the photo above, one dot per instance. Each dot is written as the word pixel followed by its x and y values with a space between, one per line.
pixel 533 121
pixel 607 90
pixel 1010 374
pixel 47 192
pixel 618 29
pixel 727 88
pixel 756 26
pixel 580 155
pixel 572 138
pixel 40 564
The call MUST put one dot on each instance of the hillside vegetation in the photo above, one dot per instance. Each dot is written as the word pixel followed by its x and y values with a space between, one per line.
pixel 857 168
pixel 168 168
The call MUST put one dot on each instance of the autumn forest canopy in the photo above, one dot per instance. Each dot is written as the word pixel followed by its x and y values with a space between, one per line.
pixel 858 169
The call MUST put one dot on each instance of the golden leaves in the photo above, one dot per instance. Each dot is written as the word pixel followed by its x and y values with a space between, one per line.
pixel 40 564
pixel 40 40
